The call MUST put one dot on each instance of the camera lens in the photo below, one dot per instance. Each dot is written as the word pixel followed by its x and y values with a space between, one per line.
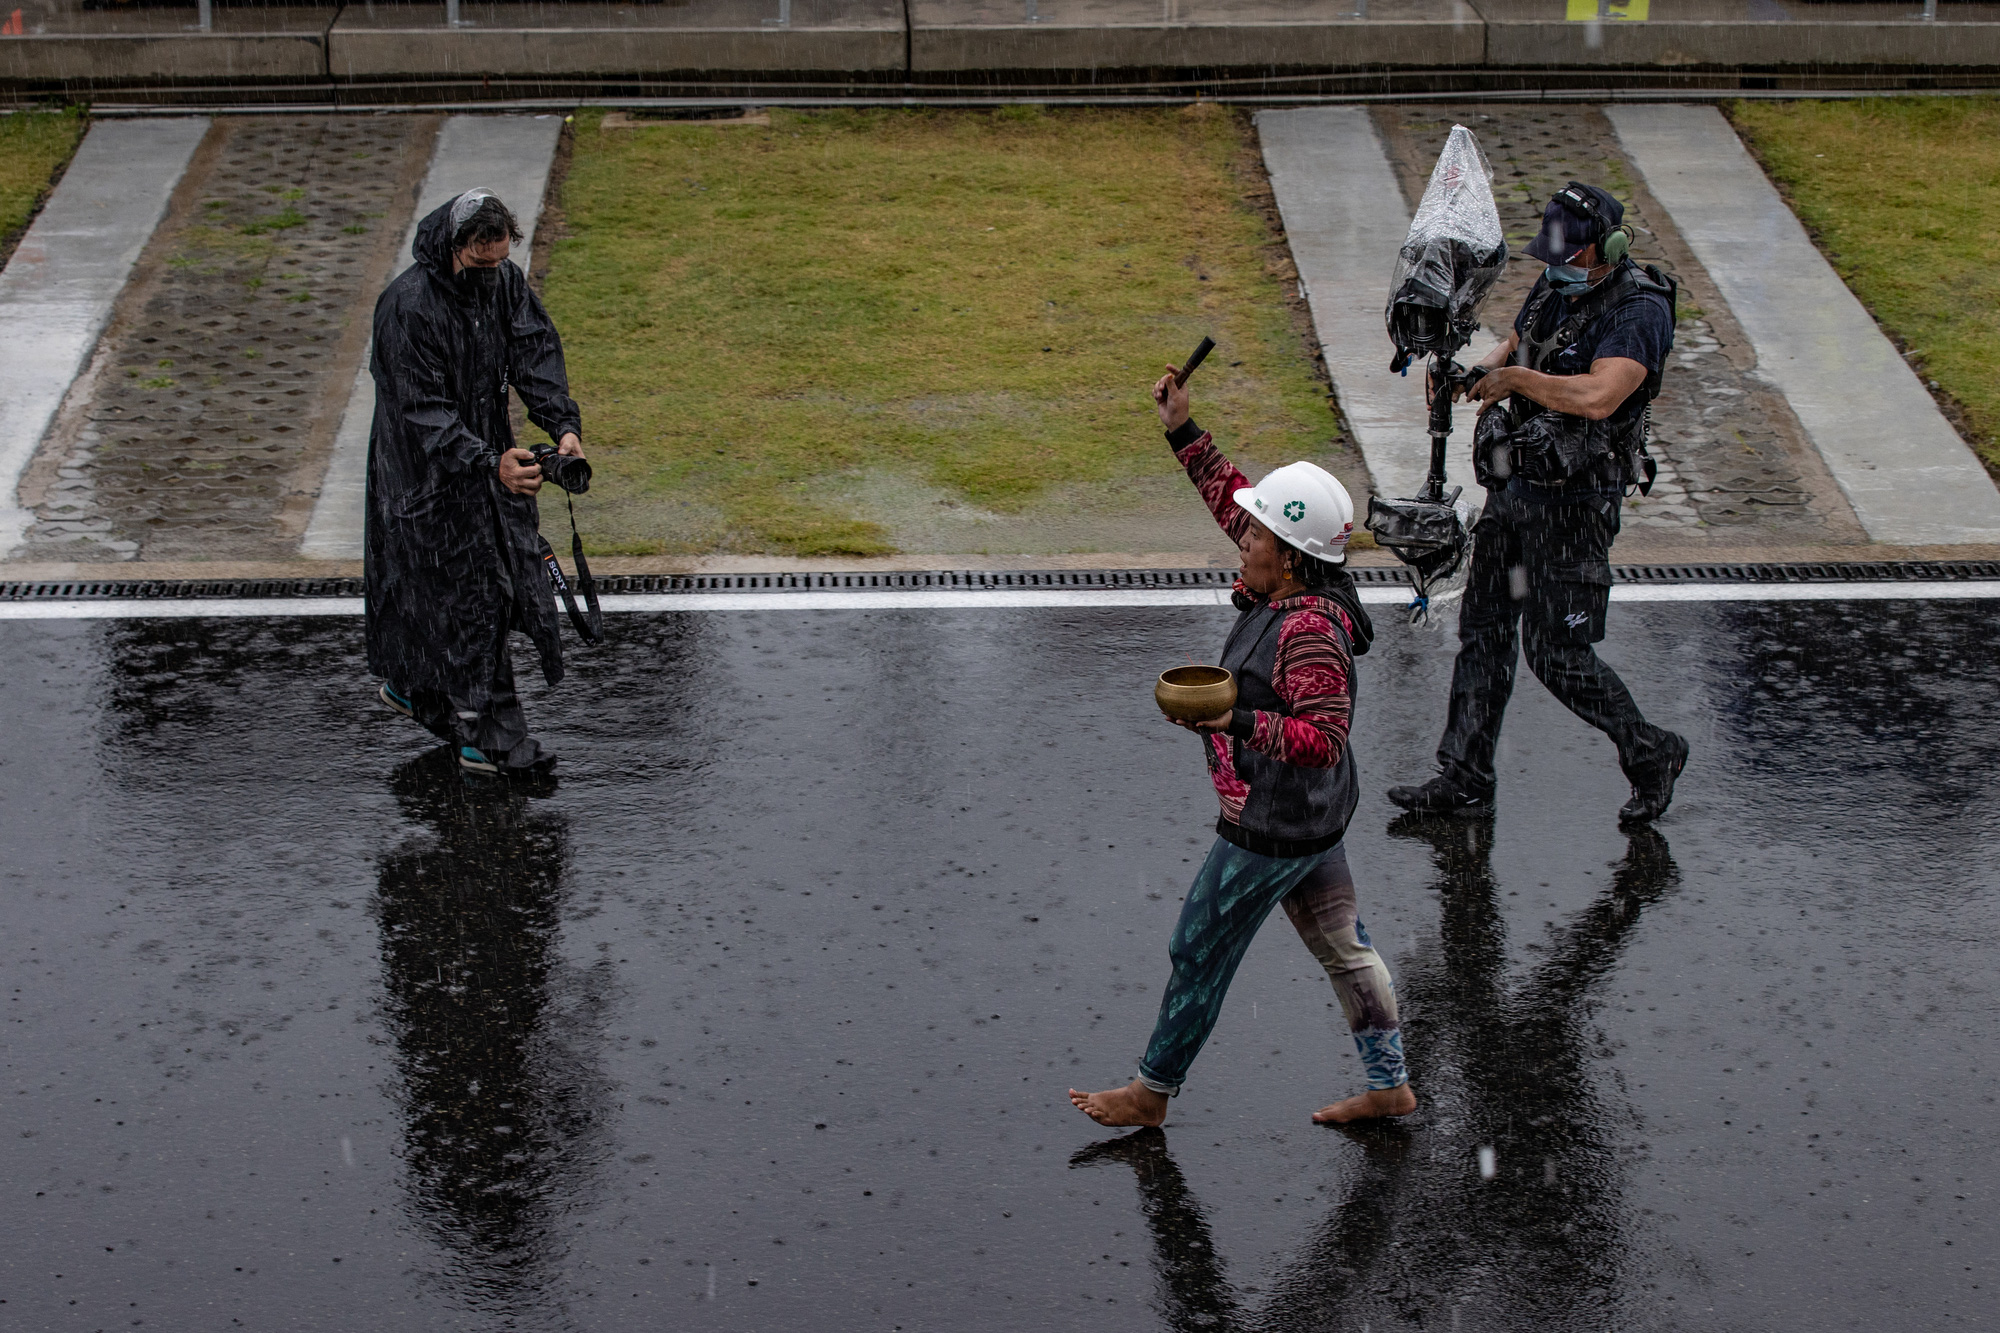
pixel 571 474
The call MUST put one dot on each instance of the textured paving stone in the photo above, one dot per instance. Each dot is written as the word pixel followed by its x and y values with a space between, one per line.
pixel 213 393
pixel 1735 466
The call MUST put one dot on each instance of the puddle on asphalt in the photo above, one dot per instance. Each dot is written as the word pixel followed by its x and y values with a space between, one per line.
pixel 764 1017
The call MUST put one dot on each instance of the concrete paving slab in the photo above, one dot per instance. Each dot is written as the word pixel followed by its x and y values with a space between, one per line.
pixel 1177 34
pixel 202 428
pixel 509 155
pixel 1760 34
pixel 1905 471
pixel 552 40
pixel 58 289
pixel 1345 219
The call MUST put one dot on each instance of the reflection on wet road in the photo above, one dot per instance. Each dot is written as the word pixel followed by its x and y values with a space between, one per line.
pixel 1513 1063
pixel 762 1016
pixel 501 1100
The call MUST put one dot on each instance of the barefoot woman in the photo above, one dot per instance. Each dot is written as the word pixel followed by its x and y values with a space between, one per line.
pixel 1281 766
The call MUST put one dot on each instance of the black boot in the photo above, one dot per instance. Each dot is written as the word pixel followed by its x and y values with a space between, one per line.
pixel 1441 796
pixel 1653 787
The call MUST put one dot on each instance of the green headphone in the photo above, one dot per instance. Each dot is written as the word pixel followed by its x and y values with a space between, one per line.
pixel 1617 240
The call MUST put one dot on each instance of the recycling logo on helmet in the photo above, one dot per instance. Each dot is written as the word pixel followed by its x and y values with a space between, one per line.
pixel 1299 490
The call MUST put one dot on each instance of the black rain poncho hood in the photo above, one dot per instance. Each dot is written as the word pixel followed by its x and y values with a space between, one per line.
pixel 453 559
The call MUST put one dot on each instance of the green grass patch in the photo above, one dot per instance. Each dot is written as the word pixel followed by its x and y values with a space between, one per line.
pixel 970 304
pixel 1902 193
pixel 283 220
pixel 34 146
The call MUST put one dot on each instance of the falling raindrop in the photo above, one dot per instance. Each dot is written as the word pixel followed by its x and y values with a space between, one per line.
pixel 347 1150
pixel 1489 1164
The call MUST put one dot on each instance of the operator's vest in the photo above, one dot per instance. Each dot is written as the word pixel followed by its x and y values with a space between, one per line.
pixel 1291 811
pixel 1554 449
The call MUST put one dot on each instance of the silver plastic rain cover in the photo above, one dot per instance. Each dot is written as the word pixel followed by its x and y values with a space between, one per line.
pixel 1453 255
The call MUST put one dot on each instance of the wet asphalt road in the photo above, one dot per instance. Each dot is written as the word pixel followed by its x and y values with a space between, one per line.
pixel 764 1018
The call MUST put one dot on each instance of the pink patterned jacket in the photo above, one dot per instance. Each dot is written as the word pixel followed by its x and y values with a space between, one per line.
pixel 1314 664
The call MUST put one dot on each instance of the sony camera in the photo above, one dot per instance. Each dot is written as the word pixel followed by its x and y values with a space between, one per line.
pixel 565 470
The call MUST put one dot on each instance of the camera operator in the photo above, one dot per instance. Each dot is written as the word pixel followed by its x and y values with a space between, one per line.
pixel 454 553
pixel 1561 435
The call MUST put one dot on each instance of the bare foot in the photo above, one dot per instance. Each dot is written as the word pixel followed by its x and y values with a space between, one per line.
pixel 1133 1104
pixel 1370 1105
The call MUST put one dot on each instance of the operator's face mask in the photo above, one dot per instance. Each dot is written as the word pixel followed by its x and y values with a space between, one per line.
pixel 479 280
pixel 1570 225
pixel 1568 279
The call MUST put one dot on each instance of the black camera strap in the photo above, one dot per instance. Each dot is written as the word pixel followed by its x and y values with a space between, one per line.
pixel 590 628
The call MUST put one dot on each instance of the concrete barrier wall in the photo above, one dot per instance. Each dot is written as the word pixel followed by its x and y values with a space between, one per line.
pixel 948 40
pixel 388 53
pixel 143 57
pixel 603 40
pixel 1846 44
pixel 1340 45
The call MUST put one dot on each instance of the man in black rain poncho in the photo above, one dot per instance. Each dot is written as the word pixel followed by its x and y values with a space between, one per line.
pixel 454 551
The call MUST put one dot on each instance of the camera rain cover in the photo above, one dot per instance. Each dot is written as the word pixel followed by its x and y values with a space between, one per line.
pixel 1453 255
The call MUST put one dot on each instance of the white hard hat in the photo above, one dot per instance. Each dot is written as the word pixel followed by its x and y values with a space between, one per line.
pixel 1306 506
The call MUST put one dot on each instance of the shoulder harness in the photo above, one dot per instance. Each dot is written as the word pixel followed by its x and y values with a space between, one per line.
pixel 1625 283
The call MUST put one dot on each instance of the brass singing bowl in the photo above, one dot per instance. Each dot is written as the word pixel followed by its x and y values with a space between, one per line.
pixel 1195 693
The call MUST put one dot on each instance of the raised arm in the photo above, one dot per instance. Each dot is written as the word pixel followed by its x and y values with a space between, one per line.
pixel 1212 474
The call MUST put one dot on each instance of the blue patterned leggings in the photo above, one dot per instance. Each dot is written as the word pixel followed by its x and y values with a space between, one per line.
pixel 1227 904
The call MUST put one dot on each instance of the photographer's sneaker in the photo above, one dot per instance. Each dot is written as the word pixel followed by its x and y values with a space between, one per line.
pixel 475 761
pixel 397 703
pixel 1653 791
pixel 1440 796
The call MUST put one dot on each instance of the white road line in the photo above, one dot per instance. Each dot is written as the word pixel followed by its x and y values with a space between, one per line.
pixel 65 276
pixel 1047 599
pixel 509 155
pixel 1910 478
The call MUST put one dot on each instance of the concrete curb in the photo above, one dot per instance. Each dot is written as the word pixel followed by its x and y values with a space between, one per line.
pixel 1907 474
pixel 59 287
pixel 510 155
pixel 1630 550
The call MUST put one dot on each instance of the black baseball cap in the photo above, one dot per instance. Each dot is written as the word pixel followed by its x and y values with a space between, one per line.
pixel 1578 216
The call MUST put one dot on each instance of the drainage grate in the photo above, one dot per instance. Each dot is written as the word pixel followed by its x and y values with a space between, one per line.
pixel 959 580
pixel 142 590
pixel 1876 571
